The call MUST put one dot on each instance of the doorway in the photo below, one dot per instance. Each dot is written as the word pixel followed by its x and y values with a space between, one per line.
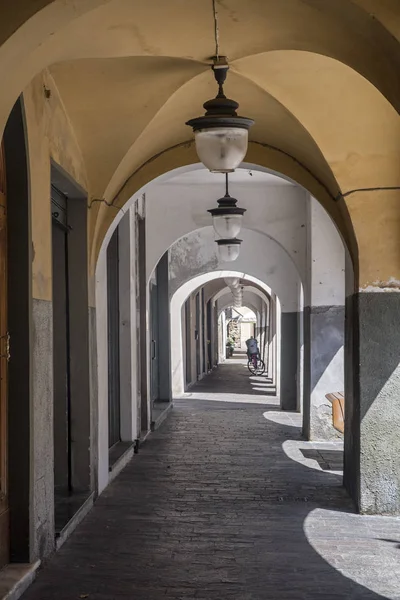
pixel 160 359
pixel 71 387
pixel 61 345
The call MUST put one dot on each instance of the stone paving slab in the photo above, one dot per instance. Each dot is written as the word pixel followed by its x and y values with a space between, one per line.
pixel 221 503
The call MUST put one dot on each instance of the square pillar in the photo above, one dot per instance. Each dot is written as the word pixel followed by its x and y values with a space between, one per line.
pixel 372 401
pixel 289 351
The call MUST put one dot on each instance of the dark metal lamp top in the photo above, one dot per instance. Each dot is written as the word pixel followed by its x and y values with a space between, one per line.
pixel 220 111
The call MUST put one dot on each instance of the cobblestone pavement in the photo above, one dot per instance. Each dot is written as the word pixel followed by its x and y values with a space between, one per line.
pixel 226 501
pixel 233 382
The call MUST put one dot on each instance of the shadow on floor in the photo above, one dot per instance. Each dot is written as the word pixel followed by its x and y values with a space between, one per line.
pixel 212 508
pixel 328 460
pixel 233 377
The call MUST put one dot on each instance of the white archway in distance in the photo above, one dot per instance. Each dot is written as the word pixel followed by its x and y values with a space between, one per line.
pixel 176 303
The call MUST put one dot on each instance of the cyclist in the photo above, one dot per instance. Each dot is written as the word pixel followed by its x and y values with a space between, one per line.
pixel 252 350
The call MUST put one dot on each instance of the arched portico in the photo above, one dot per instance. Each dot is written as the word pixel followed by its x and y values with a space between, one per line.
pixel 103 89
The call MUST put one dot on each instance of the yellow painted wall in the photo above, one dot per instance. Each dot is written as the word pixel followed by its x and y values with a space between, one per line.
pixel 50 136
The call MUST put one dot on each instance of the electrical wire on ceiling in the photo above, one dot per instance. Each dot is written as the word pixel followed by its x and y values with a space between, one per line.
pixel 390 188
pixel 216 29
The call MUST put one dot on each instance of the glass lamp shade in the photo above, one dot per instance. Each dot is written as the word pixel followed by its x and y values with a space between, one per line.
pixel 221 149
pixel 227 226
pixel 228 250
pixel 232 282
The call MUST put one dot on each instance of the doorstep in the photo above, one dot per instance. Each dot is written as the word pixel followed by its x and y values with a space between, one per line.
pixel 78 516
pixel 15 578
pixel 119 458
pixel 159 413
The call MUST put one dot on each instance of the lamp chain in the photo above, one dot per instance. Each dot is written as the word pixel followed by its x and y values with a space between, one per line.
pixel 216 29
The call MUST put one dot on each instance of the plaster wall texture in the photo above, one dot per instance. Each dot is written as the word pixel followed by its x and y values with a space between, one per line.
pixel 42 450
pixel 175 209
pixel 49 136
pixel 326 255
pixel 324 319
pixel 378 418
pixel 259 257
pixel 212 288
pixel 327 366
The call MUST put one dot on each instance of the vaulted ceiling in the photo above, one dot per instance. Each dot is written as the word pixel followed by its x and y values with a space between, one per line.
pixel 321 78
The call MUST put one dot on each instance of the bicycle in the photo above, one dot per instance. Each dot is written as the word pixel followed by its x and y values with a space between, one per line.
pixel 255 365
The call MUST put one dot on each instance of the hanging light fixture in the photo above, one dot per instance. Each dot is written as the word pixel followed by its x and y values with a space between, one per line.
pixel 227 222
pixel 237 302
pixel 232 282
pixel 229 249
pixel 221 135
pixel 227 217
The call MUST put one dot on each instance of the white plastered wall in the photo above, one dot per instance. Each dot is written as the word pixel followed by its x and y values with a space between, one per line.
pixel 324 299
pixel 128 343
pixel 177 206
pixel 260 256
